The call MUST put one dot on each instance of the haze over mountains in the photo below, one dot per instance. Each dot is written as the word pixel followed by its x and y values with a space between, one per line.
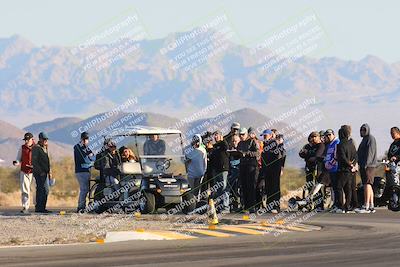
pixel 39 84
pixel 61 131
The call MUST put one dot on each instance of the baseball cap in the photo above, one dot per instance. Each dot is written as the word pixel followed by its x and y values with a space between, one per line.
pixel 28 136
pixel 329 131
pixel 235 125
pixel 265 132
pixel 43 136
pixel 217 132
pixel 243 131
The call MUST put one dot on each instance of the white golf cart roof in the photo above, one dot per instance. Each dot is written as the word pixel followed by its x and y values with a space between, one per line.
pixel 143 130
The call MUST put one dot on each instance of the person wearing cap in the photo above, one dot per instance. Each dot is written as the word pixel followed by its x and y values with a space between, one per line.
pixel 41 172
pixel 272 169
pixel 248 169
pixel 313 154
pixel 111 162
pixel 331 164
pixel 83 158
pixel 314 157
pixel 235 127
pixel 219 161
pixel 24 159
pixel 196 164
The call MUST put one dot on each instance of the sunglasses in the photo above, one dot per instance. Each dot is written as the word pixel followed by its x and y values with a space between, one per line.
pixel 242 134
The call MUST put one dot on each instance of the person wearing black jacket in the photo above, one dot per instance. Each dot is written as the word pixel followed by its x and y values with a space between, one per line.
pixel 219 160
pixel 41 172
pixel 272 159
pixel 394 149
pixel 313 153
pixel 347 161
pixel 110 165
pixel 248 169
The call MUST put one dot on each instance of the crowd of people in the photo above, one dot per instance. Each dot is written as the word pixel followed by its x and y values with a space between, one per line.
pixel 248 167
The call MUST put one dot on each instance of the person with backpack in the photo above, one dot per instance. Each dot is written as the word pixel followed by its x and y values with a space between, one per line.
pixel 24 159
pixel 83 158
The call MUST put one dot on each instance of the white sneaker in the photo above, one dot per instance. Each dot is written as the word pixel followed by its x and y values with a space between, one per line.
pixel 274 211
pixel 350 211
pixel 372 210
pixel 363 210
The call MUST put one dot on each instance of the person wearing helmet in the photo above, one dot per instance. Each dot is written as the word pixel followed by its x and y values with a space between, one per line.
pixel 235 127
pixel 24 159
pixel 83 158
pixel 196 163
pixel 248 170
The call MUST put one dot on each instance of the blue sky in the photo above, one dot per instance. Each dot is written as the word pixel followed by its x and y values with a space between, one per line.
pixel 356 28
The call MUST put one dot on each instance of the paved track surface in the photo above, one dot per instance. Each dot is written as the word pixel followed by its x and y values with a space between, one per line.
pixel 345 240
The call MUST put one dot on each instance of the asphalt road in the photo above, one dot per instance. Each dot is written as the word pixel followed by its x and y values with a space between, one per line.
pixel 345 240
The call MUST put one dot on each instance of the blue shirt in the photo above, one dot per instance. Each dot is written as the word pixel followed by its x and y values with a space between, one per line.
pixel 330 162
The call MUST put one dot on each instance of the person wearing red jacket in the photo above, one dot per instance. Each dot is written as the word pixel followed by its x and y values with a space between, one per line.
pixel 24 159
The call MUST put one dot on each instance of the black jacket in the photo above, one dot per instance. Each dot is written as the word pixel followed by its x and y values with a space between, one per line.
pixel 111 164
pixel 40 160
pixel 219 158
pixel 250 150
pixel 346 155
pixel 394 150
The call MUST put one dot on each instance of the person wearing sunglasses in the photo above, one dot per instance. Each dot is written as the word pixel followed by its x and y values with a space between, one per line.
pixel 331 164
pixel 248 169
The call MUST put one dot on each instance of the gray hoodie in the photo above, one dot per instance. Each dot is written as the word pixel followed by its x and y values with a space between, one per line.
pixel 367 151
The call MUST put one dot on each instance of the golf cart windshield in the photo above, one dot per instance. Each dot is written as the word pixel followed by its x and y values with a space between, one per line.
pixel 161 154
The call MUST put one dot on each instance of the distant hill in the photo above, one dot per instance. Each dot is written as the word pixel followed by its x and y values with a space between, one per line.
pixel 10 131
pixel 50 126
pixel 67 131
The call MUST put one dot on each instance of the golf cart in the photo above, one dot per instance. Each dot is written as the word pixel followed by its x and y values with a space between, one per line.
pixel 160 173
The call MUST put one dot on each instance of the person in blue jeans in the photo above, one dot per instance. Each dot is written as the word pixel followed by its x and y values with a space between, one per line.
pixel 83 158
pixel 331 164
pixel 219 160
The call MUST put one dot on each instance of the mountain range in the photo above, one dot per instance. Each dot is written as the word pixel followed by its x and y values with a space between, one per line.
pixel 42 83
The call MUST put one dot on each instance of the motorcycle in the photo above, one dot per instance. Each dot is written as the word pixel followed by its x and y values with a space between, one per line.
pixel 386 190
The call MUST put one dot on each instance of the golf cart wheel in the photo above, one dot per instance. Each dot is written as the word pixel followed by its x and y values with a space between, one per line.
pixel 394 201
pixel 190 203
pixel 147 203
